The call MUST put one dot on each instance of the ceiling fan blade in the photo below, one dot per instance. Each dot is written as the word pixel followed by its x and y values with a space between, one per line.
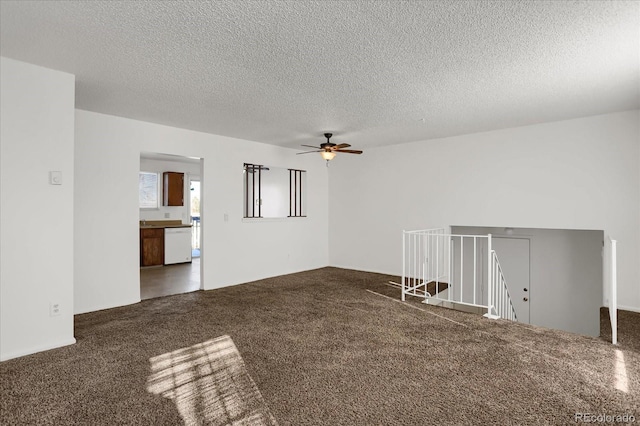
pixel 342 145
pixel 307 152
pixel 348 151
pixel 309 146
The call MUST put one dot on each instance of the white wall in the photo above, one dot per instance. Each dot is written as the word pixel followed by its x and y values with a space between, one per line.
pixel 274 193
pixel 175 212
pixel 574 174
pixel 107 164
pixel 36 225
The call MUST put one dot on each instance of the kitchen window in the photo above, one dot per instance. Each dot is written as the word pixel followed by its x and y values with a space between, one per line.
pixel 148 190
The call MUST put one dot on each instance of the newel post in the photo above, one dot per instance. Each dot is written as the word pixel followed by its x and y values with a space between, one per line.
pixel 489 275
pixel 403 264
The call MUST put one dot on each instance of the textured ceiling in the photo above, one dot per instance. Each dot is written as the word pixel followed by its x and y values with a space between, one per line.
pixel 374 73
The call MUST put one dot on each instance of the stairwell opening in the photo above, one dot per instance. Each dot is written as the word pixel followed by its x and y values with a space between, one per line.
pixel 554 276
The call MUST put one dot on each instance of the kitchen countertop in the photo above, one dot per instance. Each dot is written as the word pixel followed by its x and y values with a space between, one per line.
pixel 150 224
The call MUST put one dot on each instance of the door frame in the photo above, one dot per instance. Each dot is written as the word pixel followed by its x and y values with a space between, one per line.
pixel 529 291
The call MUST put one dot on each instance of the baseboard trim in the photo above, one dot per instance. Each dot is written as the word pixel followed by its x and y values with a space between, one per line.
pixel 36 349
pixel 627 308
pixel 104 307
pixel 259 278
pixel 366 270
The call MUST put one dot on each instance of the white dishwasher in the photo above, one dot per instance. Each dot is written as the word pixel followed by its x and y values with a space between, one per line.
pixel 177 245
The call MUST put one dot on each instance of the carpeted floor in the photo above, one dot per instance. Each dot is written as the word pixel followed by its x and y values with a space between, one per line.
pixel 323 347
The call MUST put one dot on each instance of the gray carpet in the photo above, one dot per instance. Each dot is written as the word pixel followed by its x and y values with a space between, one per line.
pixel 323 347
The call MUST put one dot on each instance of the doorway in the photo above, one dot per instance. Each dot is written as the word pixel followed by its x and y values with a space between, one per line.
pixel 195 217
pixel 176 267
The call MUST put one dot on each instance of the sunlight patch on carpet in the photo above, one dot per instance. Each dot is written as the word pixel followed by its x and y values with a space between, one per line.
pixel 622 382
pixel 209 384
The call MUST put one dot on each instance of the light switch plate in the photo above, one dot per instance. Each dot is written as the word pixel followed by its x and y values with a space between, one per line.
pixel 54 309
pixel 55 178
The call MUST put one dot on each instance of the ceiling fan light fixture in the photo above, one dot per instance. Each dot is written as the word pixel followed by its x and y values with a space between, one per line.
pixel 328 155
pixel 328 150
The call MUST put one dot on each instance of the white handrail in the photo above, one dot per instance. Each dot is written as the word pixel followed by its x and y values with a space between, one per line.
pixel 425 231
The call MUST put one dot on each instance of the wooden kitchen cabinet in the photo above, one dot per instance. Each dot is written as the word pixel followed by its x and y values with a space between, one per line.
pixel 173 189
pixel 152 247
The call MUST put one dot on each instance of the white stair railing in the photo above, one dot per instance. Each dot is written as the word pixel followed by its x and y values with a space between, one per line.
pixel 502 306
pixel 454 268
pixel 422 261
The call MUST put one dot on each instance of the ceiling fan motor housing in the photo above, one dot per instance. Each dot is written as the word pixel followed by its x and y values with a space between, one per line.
pixel 328 144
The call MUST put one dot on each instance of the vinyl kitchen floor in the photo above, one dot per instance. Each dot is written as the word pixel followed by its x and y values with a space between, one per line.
pixel 170 279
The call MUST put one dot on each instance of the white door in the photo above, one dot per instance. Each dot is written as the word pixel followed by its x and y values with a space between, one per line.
pixel 513 254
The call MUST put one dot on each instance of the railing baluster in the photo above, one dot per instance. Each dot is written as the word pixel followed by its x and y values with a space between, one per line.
pixel 507 298
pixel 424 246
pixel 461 269
pixel 474 269
pixel 431 265
pixel 421 274
pixel 427 258
pixel 404 263
pixel 501 298
pixel 413 275
pixel 437 265
pixel 501 287
pixel 413 261
pixel 498 298
pixel 424 258
pixel 501 301
pixel 429 247
pixel 489 272
pixel 411 255
pixel 496 289
pixel 501 291
pixel 414 264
